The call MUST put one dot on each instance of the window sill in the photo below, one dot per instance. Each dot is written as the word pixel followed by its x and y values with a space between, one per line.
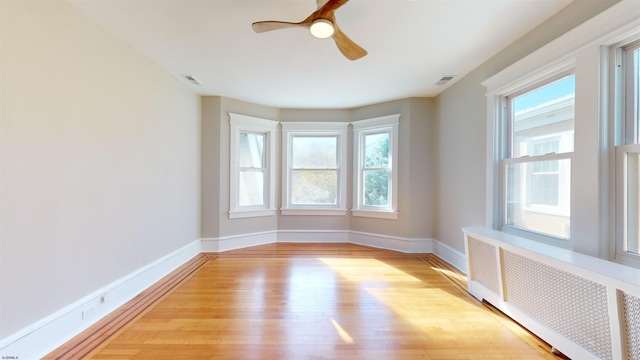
pixel 531 235
pixel 314 212
pixel 240 214
pixel 393 215
pixel 629 259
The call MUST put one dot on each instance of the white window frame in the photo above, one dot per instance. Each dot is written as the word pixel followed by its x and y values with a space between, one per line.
pixel 627 140
pixel 248 124
pixel 293 129
pixel 498 115
pixel 385 124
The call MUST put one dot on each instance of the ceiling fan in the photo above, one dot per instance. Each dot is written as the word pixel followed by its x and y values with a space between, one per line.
pixel 321 24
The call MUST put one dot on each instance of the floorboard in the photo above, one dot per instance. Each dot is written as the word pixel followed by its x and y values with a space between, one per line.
pixel 307 301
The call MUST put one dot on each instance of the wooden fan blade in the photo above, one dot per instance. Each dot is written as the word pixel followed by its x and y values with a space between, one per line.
pixel 264 26
pixel 347 47
pixel 331 6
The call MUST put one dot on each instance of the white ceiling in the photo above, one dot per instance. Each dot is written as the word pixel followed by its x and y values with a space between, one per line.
pixel 411 45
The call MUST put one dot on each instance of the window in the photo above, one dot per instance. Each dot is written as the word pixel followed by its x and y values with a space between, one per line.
pixel 375 162
pixel 538 144
pixel 314 168
pixel 628 154
pixel 252 164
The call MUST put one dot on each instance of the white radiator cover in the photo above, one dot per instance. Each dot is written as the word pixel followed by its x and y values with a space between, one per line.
pixel 586 307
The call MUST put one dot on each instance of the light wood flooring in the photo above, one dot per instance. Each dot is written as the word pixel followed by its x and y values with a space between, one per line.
pixel 307 301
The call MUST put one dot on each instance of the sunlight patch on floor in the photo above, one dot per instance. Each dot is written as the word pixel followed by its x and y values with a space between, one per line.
pixel 367 270
pixel 450 274
pixel 344 335
pixel 425 308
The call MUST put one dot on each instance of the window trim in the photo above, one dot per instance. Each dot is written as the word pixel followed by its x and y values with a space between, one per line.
pixel 384 124
pixel 292 129
pixel 248 124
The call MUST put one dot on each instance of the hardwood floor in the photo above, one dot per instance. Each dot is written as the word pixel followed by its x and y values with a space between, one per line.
pixel 307 301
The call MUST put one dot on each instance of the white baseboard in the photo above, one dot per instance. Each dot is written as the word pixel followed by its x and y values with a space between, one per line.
pixel 47 334
pixel 450 255
pixel 400 244
pixel 395 243
pixel 313 236
pixel 235 242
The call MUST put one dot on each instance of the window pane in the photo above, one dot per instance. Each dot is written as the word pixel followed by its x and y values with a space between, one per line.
pixel 633 204
pixel 251 150
pixel 250 189
pixel 376 188
pixel 543 189
pixel 376 150
pixel 539 202
pixel 314 152
pixel 314 187
pixel 545 112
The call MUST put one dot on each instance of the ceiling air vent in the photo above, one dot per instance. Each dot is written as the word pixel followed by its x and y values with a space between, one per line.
pixel 192 79
pixel 445 79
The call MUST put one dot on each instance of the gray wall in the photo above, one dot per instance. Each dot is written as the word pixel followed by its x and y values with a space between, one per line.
pixel 99 158
pixel 461 127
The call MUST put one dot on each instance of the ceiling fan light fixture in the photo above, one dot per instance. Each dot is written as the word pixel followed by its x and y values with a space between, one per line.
pixel 322 28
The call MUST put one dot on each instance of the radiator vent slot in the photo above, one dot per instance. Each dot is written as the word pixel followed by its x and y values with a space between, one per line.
pixel 484 264
pixel 573 306
pixel 632 326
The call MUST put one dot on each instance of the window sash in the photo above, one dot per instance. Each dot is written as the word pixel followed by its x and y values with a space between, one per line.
pixel 523 208
pixel 560 230
pixel 313 160
pixel 367 201
pixel 326 196
pixel 245 199
pixel 312 186
pixel 510 114
pixel 256 155
pixel 628 203
pixel 368 195
pixel 251 196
